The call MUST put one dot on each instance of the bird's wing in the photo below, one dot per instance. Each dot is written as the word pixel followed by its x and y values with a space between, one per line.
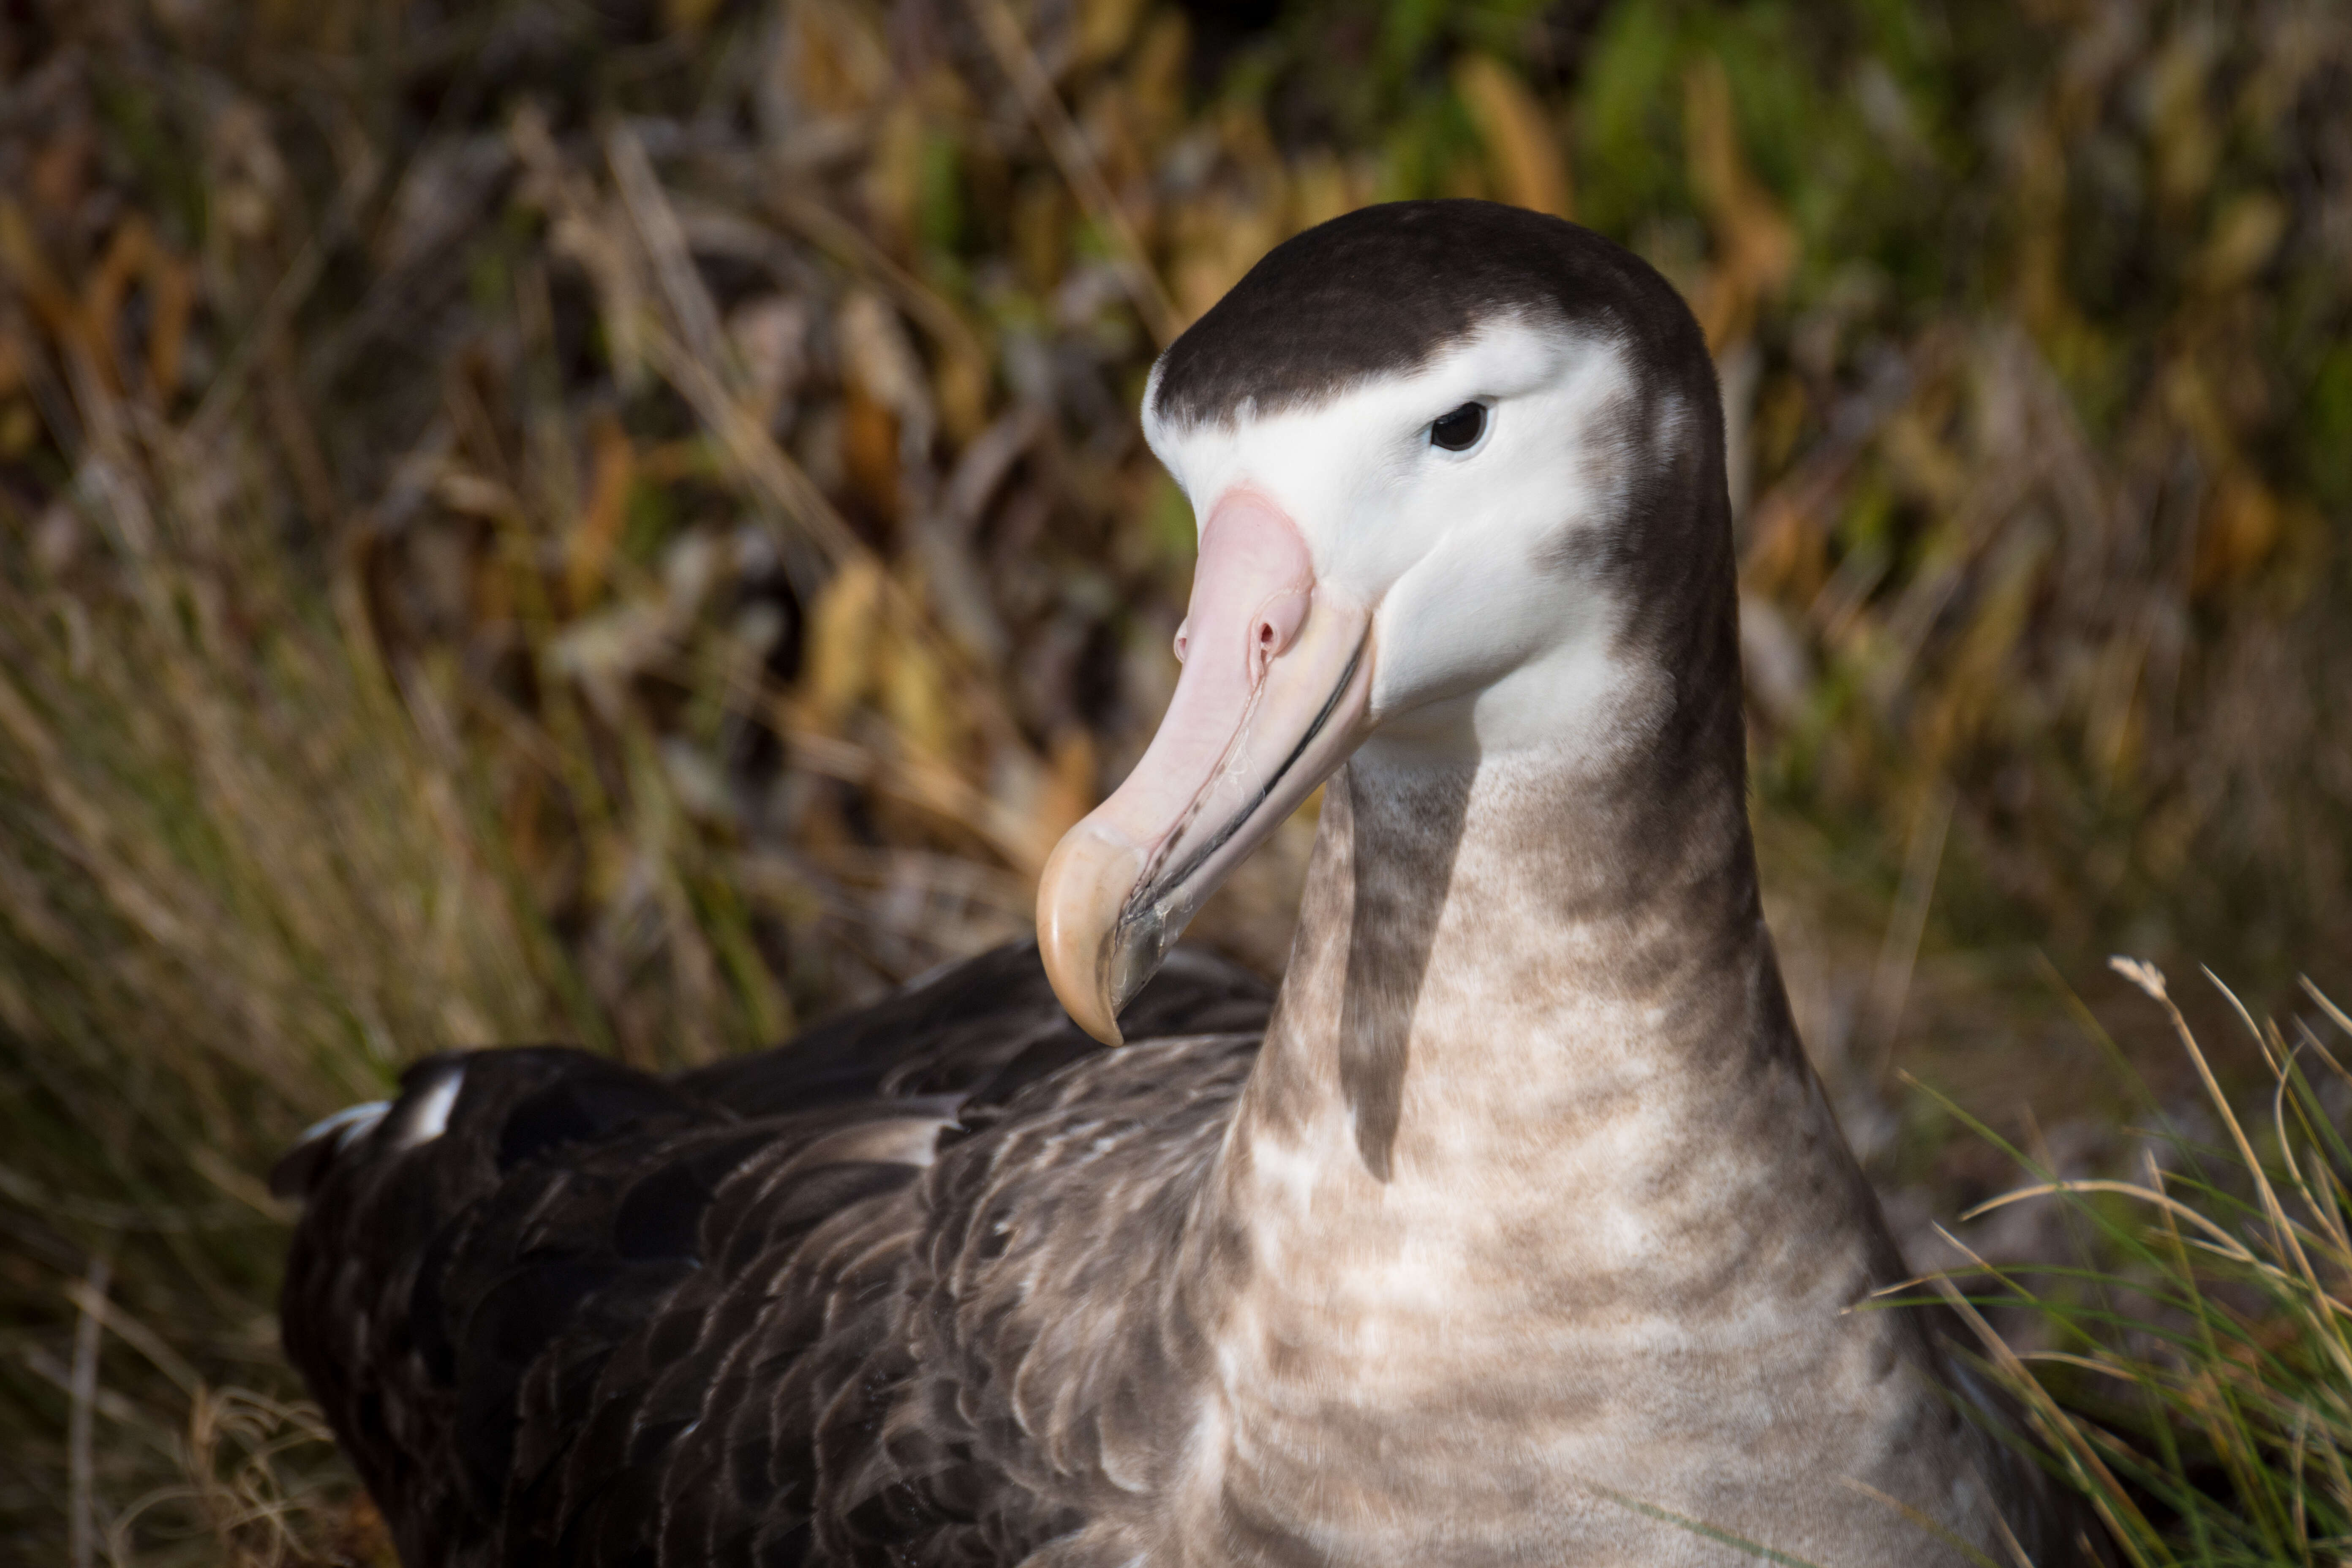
pixel 561 1312
pixel 1055 1332
pixel 982 1029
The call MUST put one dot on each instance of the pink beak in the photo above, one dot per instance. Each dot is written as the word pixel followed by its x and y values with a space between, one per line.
pixel 1278 674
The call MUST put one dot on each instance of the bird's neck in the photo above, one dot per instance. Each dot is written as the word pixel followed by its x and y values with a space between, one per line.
pixel 1531 1129
pixel 1502 963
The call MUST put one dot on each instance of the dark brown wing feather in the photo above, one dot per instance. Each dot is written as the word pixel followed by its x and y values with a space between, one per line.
pixel 894 1292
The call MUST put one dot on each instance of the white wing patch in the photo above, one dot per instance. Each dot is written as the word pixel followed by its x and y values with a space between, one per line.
pixel 425 1119
pixel 346 1125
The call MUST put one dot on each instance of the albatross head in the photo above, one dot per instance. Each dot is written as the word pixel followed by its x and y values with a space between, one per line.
pixel 1459 472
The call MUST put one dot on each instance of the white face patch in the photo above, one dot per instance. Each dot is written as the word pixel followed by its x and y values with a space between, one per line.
pixel 1488 632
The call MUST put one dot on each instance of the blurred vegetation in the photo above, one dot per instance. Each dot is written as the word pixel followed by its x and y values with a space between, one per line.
pixel 624 522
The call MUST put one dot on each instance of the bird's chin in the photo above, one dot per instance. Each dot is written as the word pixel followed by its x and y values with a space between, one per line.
pixel 1237 752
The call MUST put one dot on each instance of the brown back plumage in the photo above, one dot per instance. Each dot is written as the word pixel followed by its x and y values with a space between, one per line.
pixel 800 1307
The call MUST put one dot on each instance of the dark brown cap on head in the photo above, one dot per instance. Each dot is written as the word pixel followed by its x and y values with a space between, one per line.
pixel 1383 289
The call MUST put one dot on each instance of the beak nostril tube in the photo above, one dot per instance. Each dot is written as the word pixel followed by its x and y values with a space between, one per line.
pixel 1276 627
pixel 1267 706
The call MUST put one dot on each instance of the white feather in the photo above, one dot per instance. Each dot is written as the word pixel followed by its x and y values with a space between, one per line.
pixel 351 1122
pixel 429 1116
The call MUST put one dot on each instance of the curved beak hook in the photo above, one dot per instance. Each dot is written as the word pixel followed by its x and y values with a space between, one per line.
pixel 1273 697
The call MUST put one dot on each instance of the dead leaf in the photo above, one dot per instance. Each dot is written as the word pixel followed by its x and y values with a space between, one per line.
pixel 769 336
pixel 1104 27
pixel 878 359
pixel 1755 247
pixel 914 696
pixel 1068 791
pixel 869 450
pixel 2238 533
pixel 2246 237
pixel 831 62
pixel 893 178
pixel 842 637
pixel 1529 170
pixel 590 546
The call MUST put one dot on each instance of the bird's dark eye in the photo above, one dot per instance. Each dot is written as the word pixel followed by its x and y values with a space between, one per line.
pixel 1459 431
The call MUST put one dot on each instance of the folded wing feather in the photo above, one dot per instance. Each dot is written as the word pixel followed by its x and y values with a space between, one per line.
pixel 822 1304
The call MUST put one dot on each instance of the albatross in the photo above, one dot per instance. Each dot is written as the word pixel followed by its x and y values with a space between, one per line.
pixel 1513 1228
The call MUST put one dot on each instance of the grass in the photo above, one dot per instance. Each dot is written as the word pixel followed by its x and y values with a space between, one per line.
pixel 2200 1391
pixel 237 888
pixel 624 524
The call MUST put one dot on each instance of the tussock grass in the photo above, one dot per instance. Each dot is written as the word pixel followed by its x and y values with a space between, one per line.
pixel 2199 1390
pixel 236 887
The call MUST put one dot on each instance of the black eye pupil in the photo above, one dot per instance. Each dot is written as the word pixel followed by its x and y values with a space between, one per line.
pixel 1459 430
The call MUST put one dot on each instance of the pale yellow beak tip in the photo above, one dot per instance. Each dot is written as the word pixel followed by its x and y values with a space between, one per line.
pixel 1085 885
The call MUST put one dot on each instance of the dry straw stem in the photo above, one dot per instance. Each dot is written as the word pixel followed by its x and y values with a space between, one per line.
pixel 2252 1357
pixel 2283 1231
pixel 1906 928
pixel 2053 1424
pixel 1532 169
pixel 1928 1525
